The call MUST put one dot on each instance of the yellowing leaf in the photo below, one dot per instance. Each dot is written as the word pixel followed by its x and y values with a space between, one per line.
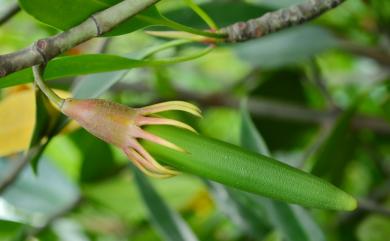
pixel 17 120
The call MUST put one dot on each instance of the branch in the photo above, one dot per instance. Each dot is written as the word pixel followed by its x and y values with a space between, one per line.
pixel 9 13
pixel 275 21
pixel 45 49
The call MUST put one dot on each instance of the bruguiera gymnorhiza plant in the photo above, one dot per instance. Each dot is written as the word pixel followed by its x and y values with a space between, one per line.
pixel 167 146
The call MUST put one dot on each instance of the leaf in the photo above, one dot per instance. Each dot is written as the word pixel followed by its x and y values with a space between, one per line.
pixel 63 15
pixel 9 230
pixel 17 110
pixel 168 223
pixel 292 221
pixel 88 64
pixel 234 204
pixel 74 65
pixel 233 11
pixel 287 47
pixel 330 161
pixel 250 137
pixel 178 192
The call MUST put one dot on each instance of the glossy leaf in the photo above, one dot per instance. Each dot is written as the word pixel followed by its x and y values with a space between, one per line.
pixel 233 11
pixel 74 65
pixel 64 15
pixel 292 221
pixel 168 223
pixel 246 170
pixel 89 64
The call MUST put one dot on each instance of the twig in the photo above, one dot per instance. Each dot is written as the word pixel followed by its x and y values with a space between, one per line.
pixel 9 13
pixel 45 49
pixel 278 20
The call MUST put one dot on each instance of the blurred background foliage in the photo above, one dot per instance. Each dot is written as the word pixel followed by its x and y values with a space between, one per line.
pixel 316 95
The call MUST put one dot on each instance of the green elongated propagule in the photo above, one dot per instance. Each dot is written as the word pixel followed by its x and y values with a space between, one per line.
pixel 249 171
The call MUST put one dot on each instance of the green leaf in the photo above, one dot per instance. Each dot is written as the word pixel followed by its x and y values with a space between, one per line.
pixel 292 221
pixel 74 65
pixel 64 15
pixel 178 192
pixel 250 137
pixel 235 205
pixel 91 63
pixel 168 223
pixel 248 171
pixel 330 161
pixel 233 11
pixel 9 230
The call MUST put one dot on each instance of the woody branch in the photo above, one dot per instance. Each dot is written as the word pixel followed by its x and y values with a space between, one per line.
pixel 277 20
